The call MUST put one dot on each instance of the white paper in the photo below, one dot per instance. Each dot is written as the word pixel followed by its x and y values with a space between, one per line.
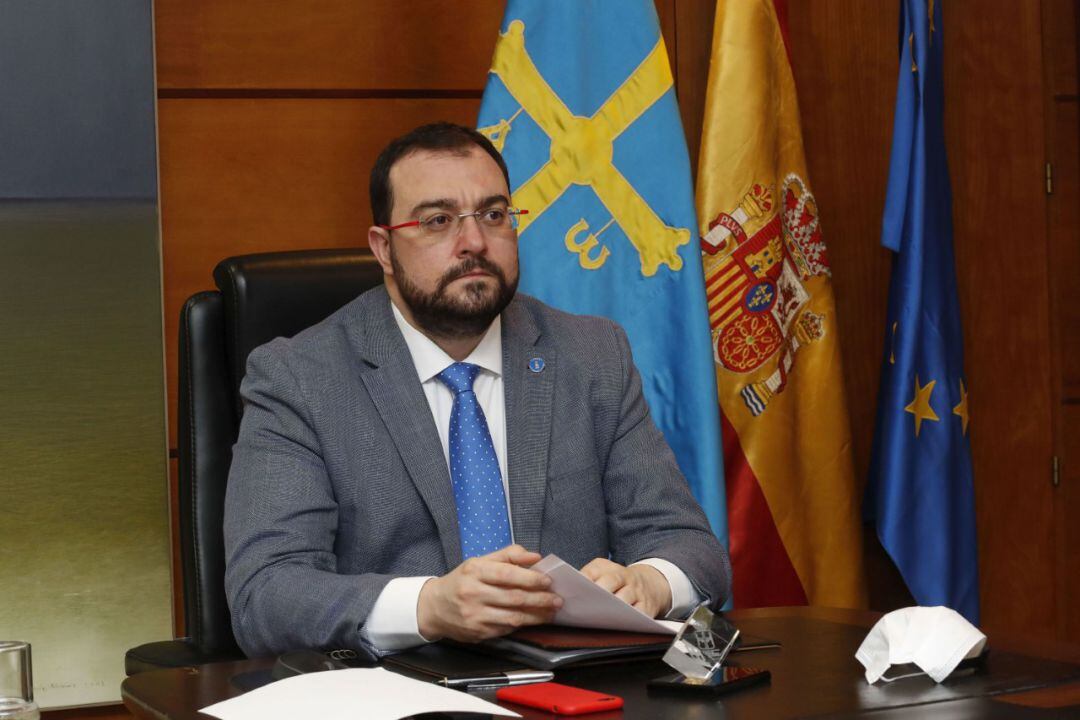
pixel 587 605
pixel 353 694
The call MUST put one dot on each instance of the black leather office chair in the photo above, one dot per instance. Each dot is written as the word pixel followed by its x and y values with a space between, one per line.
pixel 259 297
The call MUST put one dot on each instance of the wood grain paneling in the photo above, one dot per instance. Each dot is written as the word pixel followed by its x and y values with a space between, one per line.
pixel 844 55
pixel 1059 46
pixel 1068 498
pixel 425 45
pixel 1065 219
pixel 246 175
pixel 1060 31
pixel 694 23
pixel 665 12
pixel 993 90
pixel 1063 152
pixel 243 176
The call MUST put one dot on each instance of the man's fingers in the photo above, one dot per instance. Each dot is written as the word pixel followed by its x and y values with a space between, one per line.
pixel 525 558
pixel 486 597
pixel 513 619
pixel 612 582
pixel 476 592
pixel 628 595
pixel 505 553
pixel 609 575
pixel 496 621
pixel 511 576
pixel 654 587
pixel 515 554
pixel 597 567
pixel 525 600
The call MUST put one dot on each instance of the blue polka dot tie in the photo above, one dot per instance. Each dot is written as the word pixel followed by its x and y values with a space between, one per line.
pixel 474 468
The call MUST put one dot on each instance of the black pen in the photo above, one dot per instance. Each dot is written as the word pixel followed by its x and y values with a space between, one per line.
pixel 495 680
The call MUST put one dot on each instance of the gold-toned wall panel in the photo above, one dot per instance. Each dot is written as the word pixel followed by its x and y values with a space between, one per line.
pixel 84 546
pixel 429 45
pixel 242 176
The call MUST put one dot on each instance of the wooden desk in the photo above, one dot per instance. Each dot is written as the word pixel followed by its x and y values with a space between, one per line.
pixel 814 673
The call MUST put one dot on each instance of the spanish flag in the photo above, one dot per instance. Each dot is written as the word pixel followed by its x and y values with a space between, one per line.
pixel 793 509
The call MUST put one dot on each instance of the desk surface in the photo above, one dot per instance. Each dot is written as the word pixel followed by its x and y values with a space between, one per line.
pixel 814 673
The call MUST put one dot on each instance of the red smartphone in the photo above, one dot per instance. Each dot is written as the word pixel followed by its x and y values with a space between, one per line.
pixel 559 699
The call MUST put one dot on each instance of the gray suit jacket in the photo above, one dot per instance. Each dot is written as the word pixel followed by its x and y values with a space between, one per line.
pixel 339 482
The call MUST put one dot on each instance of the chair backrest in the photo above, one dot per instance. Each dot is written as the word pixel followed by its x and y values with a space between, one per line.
pixel 259 297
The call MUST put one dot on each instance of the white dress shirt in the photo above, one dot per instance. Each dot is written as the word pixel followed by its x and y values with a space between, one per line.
pixel 392 624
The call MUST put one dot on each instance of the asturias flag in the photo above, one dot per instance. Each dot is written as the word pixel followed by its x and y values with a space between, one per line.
pixel 920 491
pixel 580 101
pixel 792 501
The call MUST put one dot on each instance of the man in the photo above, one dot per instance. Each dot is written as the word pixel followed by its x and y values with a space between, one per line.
pixel 439 418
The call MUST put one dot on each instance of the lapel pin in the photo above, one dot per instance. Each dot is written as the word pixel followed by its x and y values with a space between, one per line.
pixel 536 364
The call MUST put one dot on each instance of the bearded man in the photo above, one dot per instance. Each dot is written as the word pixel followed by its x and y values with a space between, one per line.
pixel 403 463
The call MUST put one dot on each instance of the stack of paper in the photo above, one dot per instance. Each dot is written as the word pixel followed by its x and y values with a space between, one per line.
pixel 587 605
pixel 354 694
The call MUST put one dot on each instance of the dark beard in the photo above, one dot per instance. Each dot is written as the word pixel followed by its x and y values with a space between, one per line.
pixel 439 315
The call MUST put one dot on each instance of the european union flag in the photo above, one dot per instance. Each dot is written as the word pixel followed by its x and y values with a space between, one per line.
pixel 921 491
pixel 581 103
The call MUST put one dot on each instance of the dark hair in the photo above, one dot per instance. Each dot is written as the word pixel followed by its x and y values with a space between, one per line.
pixel 436 136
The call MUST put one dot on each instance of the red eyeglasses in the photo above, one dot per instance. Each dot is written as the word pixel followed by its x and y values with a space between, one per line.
pixel 493 218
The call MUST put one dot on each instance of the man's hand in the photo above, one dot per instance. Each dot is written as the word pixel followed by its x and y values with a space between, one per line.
pixel 486 597
pixel 641 586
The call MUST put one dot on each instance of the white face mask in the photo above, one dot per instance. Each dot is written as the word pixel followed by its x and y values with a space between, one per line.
pixel 935 639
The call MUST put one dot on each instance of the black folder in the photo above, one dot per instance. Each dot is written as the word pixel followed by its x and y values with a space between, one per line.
pixel 442 662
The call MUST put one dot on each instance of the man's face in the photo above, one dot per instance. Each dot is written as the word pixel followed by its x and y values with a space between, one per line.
pixel 453 284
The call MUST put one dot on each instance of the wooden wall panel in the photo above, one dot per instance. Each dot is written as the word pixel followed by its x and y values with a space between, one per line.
pixel 1059 43
pixel 993 91
pixel 255 172
pixel 1066 217
pixel 694 24
pixel 844 57
pixel 1068 626
pixel 1061 30
pixel 665 11
pixel 1061 27
pixel 258 175
pixel 423 45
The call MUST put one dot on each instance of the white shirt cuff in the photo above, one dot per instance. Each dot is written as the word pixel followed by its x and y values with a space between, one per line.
pixel 391 624
pixel 684 597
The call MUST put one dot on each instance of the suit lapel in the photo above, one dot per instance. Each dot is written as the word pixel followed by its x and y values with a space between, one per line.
pixel 529 382
pixel 395 390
